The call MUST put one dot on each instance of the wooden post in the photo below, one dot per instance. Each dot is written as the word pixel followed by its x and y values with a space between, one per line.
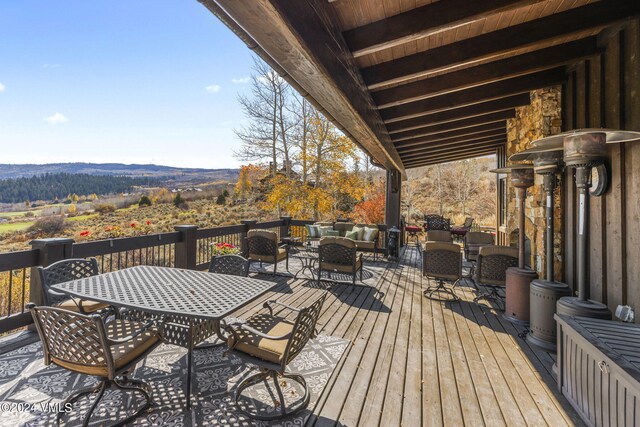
pixel 49 251
pixel 285 228
pixel 248 225
pixel 187 247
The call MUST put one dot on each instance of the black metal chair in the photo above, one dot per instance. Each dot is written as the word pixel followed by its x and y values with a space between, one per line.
pixel 491 271
pixel 339 255
pixel 442 262
pixel 65 271
pixel 263 247
pixel 271 342
pixel 234 265
pixel 436 222
pixel 86 345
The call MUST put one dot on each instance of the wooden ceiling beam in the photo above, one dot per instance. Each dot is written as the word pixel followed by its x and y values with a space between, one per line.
pixel 493 143
pixel 490 127
pixel 451 157
pixel 490 72
pixel 475 95
pixel 499 116
pixel 454 114
pixel 421 149
pixel 499 42
pixel 422 22
pixel 303 39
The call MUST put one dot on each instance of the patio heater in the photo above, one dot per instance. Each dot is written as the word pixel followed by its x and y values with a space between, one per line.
pixel 516 308
pixel 585 151
pixel 543 294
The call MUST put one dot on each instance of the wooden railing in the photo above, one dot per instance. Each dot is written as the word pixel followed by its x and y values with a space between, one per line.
pixel 187 247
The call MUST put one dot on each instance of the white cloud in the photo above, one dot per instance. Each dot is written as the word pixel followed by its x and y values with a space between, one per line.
pixel 50 65
pixel 213 88
pixel 2 87
pixel 56 119
pixel 240 80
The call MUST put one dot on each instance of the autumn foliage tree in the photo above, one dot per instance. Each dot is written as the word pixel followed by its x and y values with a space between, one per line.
pixel 371 210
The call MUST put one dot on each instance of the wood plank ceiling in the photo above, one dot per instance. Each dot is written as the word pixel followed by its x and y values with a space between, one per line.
pixel 446 75
pixel 419 82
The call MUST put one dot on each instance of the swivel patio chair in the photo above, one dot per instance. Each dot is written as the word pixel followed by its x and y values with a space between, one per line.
pixel 472 243
pixel 86 345
pixel 64 271
pixel 339 255
pixel 441 262
pixel 234 265
pixel 263 247
pixel 439 236
pixel 491 271
pixel 271 343
pixel 459 231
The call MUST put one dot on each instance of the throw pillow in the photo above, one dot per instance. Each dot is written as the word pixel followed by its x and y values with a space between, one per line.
pixel 360 231
pixel 333 233
pixel 324 229
pixel 312 231
pixel 353 235
pixel 370 234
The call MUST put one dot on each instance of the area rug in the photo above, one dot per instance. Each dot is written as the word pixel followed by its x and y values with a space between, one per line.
pixel 30 391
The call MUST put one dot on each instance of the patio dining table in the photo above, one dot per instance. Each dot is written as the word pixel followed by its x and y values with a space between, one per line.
pixel 171 291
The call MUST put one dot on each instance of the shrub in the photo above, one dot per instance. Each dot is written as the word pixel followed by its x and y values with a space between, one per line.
pixel 49 225
pixel 103 208
pixel 221 200
pixel 144 201
pixel 178 200
pixel 29 215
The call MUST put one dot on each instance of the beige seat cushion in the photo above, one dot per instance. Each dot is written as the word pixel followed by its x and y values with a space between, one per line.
pixel 88 306
pixel 122 354
pixel 343 268
pixel 263 348
pixel 282 254
pixel 362 244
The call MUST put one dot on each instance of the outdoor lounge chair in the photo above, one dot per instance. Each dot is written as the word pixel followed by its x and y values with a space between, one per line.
pixel 473 241
pixel 436 222
pixel 263 247
pixel 491 271
pixel 86 345
pixel 64 271
pixel 339 255
pixel 442 262
pixel 271 342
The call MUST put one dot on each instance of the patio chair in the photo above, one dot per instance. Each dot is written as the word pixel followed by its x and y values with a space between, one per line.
pixel 271 343
pixel 472 243
pixel 339 255
pixel 263 247
pixel 234 265
pixel 441 262
pixel 439 236
pixel 459 231
pixel 86 345
pixel 491 271
pixel 64 271
pixel 437 222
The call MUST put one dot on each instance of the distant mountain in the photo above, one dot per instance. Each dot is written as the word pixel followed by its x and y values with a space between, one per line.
pixel 167 173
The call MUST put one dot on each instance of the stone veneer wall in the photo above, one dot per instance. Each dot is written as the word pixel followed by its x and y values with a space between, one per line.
pixel 539 119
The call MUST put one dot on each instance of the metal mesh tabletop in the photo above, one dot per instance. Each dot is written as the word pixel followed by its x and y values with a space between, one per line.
pixel 164 290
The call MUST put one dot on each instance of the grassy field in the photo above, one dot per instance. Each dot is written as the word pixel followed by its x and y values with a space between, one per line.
pixel 15 226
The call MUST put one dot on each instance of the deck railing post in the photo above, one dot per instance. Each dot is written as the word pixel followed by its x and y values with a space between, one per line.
pixel 248 225
pixel 187 247
pixel 285 228
pixel 49 251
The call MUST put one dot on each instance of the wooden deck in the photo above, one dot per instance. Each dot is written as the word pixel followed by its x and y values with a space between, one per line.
pixel 416 362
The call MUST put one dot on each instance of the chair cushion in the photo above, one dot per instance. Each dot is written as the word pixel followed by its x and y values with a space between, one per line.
pixel 324 229
pixel 343 227
pixel 88 306
pixel 262 233
pixel 413 228
pixel 122 354
pixel 263 348
pixel 361 244
pixel 344 268
pixel 333 233
pixel 282 254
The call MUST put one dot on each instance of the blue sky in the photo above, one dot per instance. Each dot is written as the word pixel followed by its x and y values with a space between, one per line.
pixel 119 81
